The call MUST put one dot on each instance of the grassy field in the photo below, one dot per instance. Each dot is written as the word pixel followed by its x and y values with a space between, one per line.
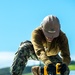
pixel 72 67
pixel 28 74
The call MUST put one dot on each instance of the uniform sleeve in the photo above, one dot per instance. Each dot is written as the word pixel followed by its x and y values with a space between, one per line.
pixel 38 47
pixel 65 52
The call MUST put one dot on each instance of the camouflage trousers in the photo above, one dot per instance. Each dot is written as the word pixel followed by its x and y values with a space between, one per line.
pixel 26 51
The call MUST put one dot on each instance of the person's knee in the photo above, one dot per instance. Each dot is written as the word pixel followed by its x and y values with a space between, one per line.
pixel 26 44
pixel 25 47
pixel 35 70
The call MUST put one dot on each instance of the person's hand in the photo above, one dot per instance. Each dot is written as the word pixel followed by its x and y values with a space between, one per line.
pixel 51 69
pixel 63 68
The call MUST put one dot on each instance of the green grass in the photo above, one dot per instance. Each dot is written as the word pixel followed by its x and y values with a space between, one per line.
pixel 28 74
pixel 72 67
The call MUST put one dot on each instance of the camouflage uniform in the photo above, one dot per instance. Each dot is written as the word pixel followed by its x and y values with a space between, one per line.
pixel 25 51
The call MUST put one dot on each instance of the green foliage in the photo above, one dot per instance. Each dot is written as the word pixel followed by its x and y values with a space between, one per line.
pixel 6 71
pixel 72 62
pixel 27 69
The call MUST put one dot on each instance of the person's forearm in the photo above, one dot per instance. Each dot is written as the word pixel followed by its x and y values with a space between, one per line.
pixel 67 60
pixel 44 58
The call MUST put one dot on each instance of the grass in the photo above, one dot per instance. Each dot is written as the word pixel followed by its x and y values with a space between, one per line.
pixel 72 67
pixel 28 74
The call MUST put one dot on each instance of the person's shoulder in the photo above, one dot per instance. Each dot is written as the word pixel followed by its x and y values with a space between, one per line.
pixel 37 30
pixel 62 35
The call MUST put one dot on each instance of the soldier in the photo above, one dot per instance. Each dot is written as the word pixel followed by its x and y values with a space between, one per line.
pixel 47 41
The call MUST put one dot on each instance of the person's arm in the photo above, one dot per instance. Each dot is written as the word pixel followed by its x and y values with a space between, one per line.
pixel 65 52
pixel 38 47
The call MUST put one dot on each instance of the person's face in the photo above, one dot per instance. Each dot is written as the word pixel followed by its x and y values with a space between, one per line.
pixel 49 39
pixel 50 32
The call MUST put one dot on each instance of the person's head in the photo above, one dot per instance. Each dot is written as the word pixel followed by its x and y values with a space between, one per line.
pixel 50 27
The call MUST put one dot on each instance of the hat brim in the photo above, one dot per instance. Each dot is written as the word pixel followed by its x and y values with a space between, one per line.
pixel 51 35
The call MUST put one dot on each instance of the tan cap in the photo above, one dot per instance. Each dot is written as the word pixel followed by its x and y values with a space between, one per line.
pixel 51 26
